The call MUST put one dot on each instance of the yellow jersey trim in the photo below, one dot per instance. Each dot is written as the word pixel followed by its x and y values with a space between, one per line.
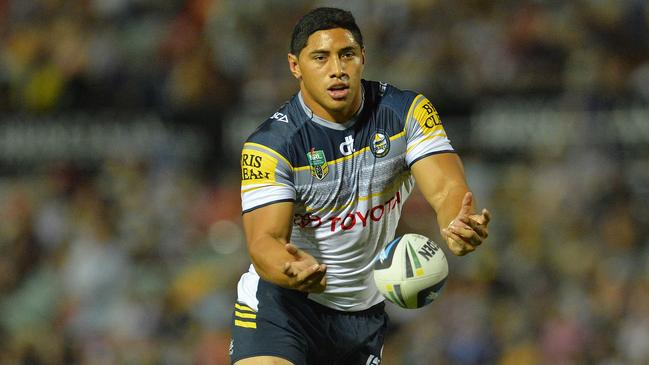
pixel 411 110
pixel 268 149
pixel 243 307
pixel 263 185
pixel 245 315
pixel 245 324
pixel 435 135
pixel 341 159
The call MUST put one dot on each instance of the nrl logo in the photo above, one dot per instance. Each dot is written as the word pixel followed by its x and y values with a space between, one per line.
pixel 380 144
pixel 318 163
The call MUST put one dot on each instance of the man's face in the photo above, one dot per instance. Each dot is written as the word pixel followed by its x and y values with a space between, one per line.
pixel 329 69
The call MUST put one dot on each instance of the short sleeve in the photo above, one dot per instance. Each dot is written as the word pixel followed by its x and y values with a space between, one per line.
pixel 266 177
pixel 425 134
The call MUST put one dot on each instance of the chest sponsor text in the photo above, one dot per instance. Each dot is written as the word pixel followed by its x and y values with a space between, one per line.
pixel 351 220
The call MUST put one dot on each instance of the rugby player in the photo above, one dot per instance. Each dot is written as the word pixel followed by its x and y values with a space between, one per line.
pixel 323 183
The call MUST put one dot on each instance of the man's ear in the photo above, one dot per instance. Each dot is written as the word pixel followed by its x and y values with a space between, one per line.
pixel 294 66
pixel 363 55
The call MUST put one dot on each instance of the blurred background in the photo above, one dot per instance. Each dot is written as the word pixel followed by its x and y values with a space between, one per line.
pixel 121 123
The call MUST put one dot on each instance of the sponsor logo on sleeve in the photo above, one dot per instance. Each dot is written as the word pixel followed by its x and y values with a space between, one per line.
pixel 257 167
pixel 318 163
pixel 427 116
pixel 380 144
pixel 280 116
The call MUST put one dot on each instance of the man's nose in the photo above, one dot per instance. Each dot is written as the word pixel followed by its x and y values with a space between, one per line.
pixel 337 68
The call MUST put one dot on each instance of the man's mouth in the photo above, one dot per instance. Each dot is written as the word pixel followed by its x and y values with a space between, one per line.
pixel 338 91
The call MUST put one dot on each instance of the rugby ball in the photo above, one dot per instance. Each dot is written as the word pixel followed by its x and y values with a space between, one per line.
pixel 411 271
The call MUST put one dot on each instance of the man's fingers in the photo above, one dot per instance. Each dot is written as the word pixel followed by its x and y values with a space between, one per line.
pixel 456 244
pixel 487 216
pixel 315 277
pixel 479 228
pixel 292 249
pixel 468 236
pixel 287 269
pixel 311 282
pixel 304 272
pixel 308 279
pixel 466 204
pixel 314 284
pixel 467 230
pixel 466 233
pixel 298 270
pixel 313 270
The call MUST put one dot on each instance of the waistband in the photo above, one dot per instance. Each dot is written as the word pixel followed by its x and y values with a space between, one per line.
pixel 304 298
pixel 371 311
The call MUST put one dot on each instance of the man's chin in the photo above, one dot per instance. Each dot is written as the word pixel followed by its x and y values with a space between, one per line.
pixel 341 112
pixel 338 108
pixel 340 103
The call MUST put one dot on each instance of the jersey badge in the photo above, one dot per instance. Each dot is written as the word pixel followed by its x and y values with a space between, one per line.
pixel 380 144
pixel 318 163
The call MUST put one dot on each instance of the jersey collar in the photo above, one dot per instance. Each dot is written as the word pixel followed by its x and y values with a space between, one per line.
pixel 329 124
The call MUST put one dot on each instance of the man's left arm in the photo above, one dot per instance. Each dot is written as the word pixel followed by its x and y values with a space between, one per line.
pixel 441 179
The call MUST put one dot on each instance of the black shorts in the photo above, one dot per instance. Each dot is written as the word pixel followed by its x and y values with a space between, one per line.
pixel 293 327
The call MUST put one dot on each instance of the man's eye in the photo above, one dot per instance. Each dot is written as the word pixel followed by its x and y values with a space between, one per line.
pixel 348 54
pixel 319 58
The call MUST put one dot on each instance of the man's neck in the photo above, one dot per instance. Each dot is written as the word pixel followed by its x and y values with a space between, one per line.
pixel 326 122
pixel 332 116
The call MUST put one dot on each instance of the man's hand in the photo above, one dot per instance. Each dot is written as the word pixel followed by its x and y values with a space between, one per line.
pixel 467 230
pixel 305 273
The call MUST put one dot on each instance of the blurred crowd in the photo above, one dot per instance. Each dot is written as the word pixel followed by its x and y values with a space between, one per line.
pixel 125 263
pixel 193 56
pixel 134 260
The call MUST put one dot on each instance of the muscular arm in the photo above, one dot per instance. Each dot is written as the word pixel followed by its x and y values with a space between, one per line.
pixel 268 230
pixel 441 179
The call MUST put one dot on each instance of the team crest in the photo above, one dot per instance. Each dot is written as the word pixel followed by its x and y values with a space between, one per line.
pixel 380 144
pixel 318 163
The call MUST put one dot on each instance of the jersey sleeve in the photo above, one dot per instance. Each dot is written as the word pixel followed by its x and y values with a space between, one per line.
pixel 266 177
pixel 425 134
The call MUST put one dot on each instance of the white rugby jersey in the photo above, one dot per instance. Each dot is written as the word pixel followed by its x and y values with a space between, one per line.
pixel 348 183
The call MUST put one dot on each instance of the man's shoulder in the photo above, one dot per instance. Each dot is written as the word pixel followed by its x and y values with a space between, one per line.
pixel 390 96
pixel 279 128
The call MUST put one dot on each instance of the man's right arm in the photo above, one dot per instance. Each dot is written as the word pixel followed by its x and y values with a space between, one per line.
pixel 268 231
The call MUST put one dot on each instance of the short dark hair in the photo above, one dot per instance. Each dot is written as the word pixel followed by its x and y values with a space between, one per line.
pixel 322 19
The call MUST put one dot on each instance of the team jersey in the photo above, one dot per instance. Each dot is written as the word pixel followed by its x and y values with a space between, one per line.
pixel 347 181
